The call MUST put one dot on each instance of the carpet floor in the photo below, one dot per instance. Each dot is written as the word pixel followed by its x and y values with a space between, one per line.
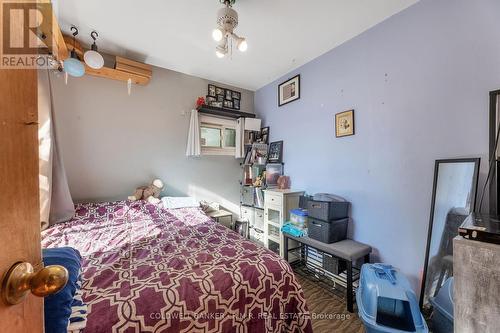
pixel 328 310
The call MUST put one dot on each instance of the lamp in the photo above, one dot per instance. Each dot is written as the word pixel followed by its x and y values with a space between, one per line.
pixel 93 58
pixel 227 21
pixel 73 65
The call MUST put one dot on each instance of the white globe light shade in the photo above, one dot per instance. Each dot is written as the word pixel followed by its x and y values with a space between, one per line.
pixel 219 54
pixel 93 59
pixel 243 45
pixel 217 34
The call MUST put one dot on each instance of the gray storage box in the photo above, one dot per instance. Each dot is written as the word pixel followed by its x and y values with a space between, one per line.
pixel 247 197
pixel 327 232
pixel 328 210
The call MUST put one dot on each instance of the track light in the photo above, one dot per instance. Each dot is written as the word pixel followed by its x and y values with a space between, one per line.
pixel 221 51
pixel 73 65
pixel 217 34
pixel 93 58
pixel 242 45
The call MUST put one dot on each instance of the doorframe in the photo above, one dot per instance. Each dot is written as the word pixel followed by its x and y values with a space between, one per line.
pixel 495 181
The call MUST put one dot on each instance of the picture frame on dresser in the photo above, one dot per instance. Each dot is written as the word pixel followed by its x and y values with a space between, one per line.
pixel 273 173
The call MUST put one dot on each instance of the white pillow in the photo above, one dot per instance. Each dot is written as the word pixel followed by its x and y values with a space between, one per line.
pixel 179 202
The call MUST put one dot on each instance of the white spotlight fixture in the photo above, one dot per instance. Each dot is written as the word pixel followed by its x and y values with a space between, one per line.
pixel 93 58
pixel 227 21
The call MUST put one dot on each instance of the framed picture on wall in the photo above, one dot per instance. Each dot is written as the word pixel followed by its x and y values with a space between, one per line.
pixel 211 90
pixel 275 152
pixel 229 95
pixel 264 135
pixel 344 123
pixel 289 91
pixel 236 103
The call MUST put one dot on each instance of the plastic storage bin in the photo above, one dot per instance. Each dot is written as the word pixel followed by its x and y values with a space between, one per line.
pixel 327 232
pixel 386 302
pixel 442 318
pixel 328 210
pixel 298 217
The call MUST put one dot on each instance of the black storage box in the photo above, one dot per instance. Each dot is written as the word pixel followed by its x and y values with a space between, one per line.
pixel 327 232
pixel 328 210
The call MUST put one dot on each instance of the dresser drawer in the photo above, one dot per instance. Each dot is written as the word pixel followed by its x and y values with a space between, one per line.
pixel 257 235
pixel 259 219
pixel 273 199
pixel 248 214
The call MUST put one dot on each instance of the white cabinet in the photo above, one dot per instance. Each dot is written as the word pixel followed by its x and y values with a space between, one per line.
pixel 277 206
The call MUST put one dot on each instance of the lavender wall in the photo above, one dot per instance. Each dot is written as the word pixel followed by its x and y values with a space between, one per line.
pixel 419 84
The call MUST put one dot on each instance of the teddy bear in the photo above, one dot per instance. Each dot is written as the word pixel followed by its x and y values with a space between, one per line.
pixel 149 193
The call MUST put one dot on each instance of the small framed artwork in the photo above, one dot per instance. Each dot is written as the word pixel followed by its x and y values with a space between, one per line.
pixel 236 95
pixel 228 104
pixel 220 98
pixel 210 100
pixel 236 103
pixel 211 90
pixel 264 135
pixel 344 123
pixel 275 152
pixel 217 104
pixel 229 95
pixel 219 91
pixel 273 173
pixel 289 91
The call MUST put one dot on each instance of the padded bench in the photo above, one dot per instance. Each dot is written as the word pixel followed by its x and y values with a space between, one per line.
pixel 347 250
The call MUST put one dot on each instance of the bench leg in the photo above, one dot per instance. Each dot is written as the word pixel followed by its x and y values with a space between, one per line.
pixel 349 295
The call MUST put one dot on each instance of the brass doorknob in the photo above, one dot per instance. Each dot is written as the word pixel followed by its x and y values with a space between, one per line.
pixel 20 280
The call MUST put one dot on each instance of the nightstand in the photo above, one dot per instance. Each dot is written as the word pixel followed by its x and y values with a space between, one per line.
pixel 277 206
pixel 222 217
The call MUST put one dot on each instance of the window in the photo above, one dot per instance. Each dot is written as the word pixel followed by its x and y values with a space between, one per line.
pixel 217 136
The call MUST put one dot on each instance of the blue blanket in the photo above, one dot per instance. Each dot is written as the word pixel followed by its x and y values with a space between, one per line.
pixel 58 306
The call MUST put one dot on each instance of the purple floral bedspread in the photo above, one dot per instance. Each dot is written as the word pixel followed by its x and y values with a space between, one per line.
pixel 149 269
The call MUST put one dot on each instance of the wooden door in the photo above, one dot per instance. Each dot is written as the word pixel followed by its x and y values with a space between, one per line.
pixel 19 202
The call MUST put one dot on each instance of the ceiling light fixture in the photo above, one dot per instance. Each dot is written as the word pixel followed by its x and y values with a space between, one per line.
pixel 73 65
pixel 93 58
pixel 227 21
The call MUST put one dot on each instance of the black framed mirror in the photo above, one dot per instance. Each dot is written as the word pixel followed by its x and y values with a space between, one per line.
pixel 453 199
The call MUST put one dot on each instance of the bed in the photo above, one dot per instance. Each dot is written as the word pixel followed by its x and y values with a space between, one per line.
pixel 150 269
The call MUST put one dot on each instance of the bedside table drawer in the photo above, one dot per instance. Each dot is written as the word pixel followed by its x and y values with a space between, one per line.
pixel 273 199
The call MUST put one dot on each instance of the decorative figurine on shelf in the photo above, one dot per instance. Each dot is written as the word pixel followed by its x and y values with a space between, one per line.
pixel 200 102
pixel 283 182
pixel 258 181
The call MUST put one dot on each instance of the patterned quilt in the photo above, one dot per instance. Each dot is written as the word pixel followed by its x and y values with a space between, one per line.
pixel 149 269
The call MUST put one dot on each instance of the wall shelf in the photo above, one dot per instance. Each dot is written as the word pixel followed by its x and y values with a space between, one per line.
pixel 215 111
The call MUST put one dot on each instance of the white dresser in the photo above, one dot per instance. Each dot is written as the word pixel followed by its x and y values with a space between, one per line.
pixel 277 206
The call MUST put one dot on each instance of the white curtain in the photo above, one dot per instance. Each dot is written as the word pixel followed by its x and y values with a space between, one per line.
pixel 193 144
pixel 56 204
pixel 240 138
